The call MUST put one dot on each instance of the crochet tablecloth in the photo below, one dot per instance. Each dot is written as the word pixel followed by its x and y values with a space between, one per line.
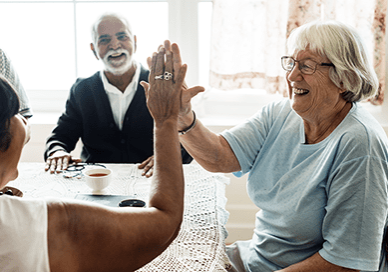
pixel 200 243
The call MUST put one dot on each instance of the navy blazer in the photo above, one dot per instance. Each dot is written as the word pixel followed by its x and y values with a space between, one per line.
pixel 88 116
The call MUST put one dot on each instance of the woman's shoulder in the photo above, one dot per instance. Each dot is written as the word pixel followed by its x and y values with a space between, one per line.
pixel 272 115
pixel 360 122
pixel 361 131
pixel 20 203
pixel 275 110
pixel 22 209
pixel 280 105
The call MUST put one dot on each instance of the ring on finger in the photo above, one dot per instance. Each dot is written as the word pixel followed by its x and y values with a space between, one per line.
pixel 159 77
pixel 168 75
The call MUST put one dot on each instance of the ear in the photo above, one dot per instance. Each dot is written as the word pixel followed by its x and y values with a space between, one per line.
pixel 94 50
pixel 135 43
pixel 341 89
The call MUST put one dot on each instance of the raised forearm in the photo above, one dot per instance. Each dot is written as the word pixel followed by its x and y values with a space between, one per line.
pixel 168 186
pixel 316 264
pixel 210 150
pixel 87 236
pixel 130 236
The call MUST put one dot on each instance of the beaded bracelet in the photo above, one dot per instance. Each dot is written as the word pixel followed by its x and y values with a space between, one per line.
pixel 8 192
pixel 183 132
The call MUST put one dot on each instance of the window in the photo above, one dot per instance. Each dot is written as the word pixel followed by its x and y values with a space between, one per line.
pixel 48 41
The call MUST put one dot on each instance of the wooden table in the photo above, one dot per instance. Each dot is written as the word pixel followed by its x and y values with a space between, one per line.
pixel 200 244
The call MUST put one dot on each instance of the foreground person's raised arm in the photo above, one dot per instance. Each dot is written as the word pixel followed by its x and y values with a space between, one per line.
pixel 85 237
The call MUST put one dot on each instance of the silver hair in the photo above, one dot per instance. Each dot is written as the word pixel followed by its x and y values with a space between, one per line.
pixel 106 15
pixel 342 45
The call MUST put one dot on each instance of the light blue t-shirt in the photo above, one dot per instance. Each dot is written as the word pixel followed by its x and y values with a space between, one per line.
pixel 329 197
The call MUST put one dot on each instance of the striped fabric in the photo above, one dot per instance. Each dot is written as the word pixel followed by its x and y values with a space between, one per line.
pixel 9 73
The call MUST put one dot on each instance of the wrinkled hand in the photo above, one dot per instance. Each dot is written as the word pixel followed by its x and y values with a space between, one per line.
pixel 187 93
pixel 148 166
pixel 59 161
pixel 164 96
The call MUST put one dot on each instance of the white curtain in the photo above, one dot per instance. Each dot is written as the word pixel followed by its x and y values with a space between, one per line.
pixel 249 37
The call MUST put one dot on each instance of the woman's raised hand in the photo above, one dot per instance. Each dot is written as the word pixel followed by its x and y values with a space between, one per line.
pixel 187 93
pixel 164 91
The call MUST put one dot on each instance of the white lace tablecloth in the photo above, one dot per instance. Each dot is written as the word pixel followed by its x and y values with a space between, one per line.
pixel 200 242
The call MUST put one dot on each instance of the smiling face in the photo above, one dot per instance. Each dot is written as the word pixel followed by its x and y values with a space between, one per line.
pixel 9 159
pixel 114 45
pixel 313 96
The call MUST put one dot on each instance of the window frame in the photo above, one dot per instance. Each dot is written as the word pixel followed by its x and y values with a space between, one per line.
pixel 184 33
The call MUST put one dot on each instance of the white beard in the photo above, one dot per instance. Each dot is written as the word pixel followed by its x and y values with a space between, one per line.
pixel 119 67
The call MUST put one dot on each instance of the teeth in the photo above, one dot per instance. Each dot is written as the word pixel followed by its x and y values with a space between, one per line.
pixel 115 55
pixel 299 91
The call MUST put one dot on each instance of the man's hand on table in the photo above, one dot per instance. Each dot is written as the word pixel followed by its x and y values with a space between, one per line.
pixel 59 161
pixel 148 166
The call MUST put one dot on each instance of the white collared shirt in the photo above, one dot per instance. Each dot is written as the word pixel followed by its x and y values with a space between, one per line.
pixel 119 101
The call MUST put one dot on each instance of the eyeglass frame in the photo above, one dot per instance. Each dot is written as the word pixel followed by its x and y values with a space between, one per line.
pixel 295 61
pixel 75 170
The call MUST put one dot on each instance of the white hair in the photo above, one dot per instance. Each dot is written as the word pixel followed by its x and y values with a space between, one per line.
pixel 342 45
pixel 107 15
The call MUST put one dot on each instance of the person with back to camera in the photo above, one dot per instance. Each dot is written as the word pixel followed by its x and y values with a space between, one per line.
pixel 107 110
pixel 68 235
pixel 317 161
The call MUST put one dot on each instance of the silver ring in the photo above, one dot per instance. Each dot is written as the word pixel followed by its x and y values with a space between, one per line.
pixel 159 77
pixel 167 76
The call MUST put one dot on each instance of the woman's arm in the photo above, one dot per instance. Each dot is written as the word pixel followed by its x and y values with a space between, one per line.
pixel 87 237
pixel 209 149
pixel 316 264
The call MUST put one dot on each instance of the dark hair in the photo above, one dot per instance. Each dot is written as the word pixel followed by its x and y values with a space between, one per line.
pixel 9 107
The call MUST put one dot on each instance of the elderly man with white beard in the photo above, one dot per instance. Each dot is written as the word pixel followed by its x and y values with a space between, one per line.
pixel 108 110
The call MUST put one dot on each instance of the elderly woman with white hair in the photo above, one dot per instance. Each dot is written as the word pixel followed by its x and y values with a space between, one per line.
pixel 317 161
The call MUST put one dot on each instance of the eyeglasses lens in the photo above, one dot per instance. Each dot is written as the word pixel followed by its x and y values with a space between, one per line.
pixel 305 66
pixel 288 63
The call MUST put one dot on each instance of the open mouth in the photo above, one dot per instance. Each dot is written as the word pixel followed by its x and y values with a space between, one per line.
pixel 300 91
pixel 116 55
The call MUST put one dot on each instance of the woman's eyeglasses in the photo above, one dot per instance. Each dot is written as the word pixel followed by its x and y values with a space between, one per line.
pixel 306 66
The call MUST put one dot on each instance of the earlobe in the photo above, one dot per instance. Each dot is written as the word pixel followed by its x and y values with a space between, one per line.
pixel 342 89
pixel 94 50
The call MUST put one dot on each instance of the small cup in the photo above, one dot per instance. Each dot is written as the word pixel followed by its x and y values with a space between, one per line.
pixel 98 179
